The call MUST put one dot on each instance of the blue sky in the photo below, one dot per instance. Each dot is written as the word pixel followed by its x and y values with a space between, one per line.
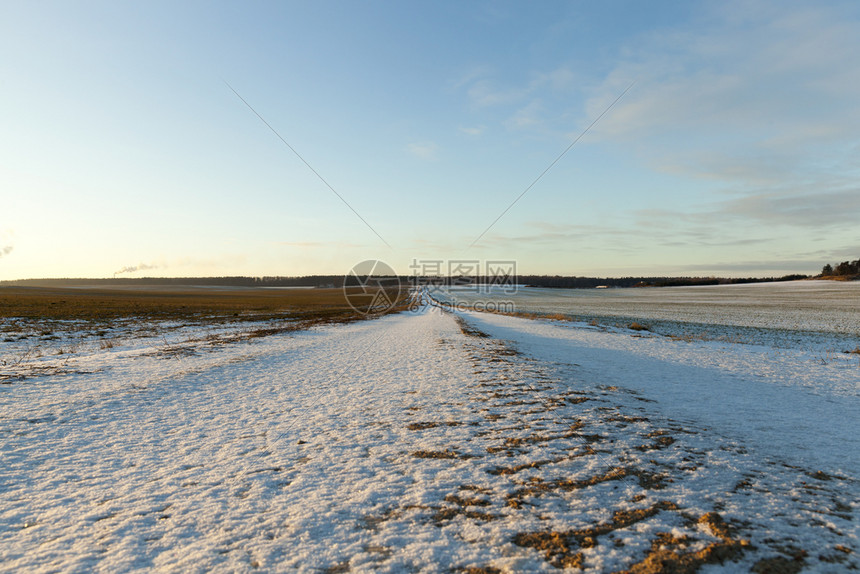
pixel 736 152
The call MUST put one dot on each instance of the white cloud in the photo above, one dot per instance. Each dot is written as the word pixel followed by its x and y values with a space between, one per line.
pixel 423 150
pixel 762 78
pixel 527 117
pixel 473 131
pixel 484 92
pixel 763 102
pixel 761 213
pixel 753 107
pixel 484 89
pixel 819 209
pixel 537 101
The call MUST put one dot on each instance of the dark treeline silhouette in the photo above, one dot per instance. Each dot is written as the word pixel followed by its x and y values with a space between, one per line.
pixel 558 281
pixel 304 281
pixel 551 281
pixel 844 269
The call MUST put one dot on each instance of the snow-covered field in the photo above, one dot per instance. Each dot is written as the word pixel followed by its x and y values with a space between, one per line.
pixel 428 442
pixel 820 315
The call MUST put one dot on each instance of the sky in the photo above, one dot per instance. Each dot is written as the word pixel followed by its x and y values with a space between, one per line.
pixel 125 150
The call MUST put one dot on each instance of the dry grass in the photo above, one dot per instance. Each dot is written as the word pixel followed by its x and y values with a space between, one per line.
pixel 172 303
pixel 73 316
pixel 444 454
pixel 529 315
pixel 668 553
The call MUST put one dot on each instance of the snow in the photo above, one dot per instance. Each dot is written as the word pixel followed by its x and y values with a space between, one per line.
pixel 820 315
pixel 787 402
pixel 408 443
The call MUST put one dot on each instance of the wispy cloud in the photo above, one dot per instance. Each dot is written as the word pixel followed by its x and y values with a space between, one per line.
pixel 484 89
pixel 470 76
pixel 423 150
pixel 485 92
pixel 763 267
pixel 473 131
pixel 763 103
pixel 773 207
pixel 818 210
pixel 759 85
pixel 565 237
pixel 135 268
pixel 528 116
pixel 524 104
pixel 6 250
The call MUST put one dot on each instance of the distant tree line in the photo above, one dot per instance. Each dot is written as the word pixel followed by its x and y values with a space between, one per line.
pixel 561 282
pixel 844 269
pixel 551 281
pixel 573 282
pixel 229 281
pixel 592 282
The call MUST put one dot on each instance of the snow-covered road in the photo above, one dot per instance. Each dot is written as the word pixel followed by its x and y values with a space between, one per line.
pixel 414 442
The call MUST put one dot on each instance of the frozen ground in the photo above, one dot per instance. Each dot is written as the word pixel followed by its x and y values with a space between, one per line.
pixel 427 442
pixel 800 405
pixel 819 315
